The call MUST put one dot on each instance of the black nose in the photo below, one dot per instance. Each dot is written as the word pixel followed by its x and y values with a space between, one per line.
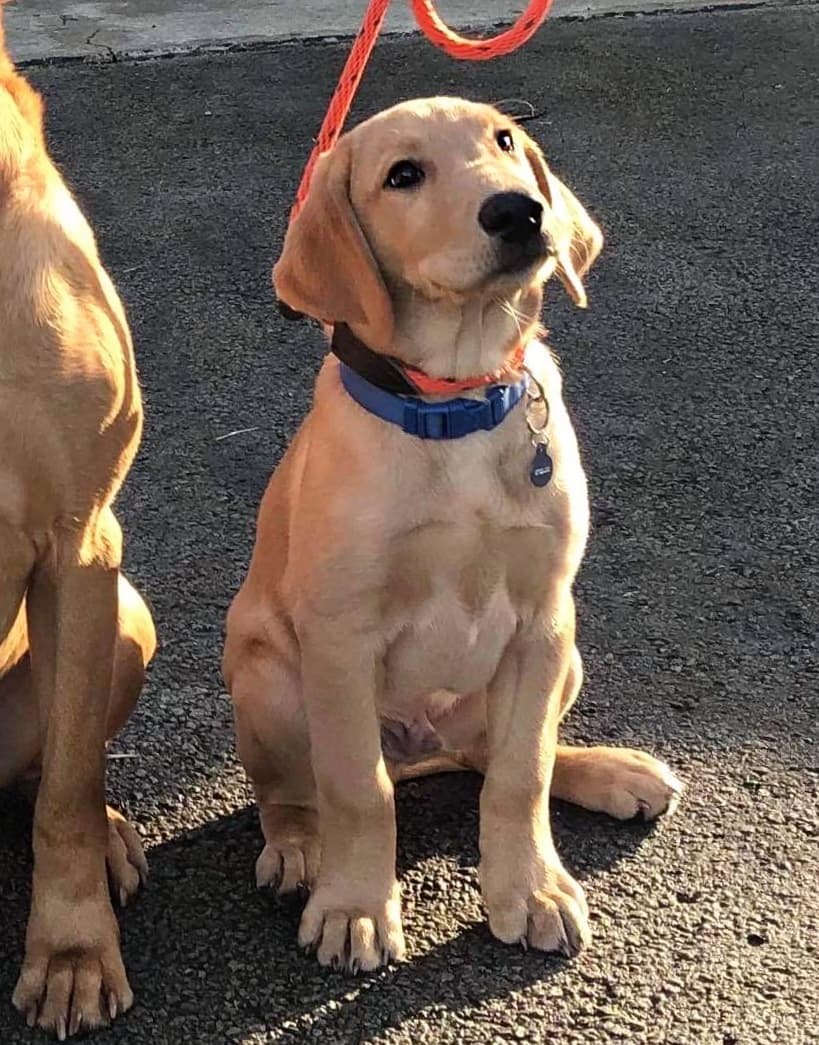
pixel 511 216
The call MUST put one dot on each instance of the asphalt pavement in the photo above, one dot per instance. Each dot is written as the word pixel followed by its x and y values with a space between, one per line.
pixel 694 385
pixel 100 29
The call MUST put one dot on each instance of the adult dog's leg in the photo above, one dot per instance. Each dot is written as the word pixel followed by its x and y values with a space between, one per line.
pixel 73 975
pixel 18 723
pixel 21 738
pixel 17 555
pixel 619 781
pixel 135 647
pixel 529 896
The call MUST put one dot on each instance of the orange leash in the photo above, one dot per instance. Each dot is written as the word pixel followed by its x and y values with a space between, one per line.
pixel 438 33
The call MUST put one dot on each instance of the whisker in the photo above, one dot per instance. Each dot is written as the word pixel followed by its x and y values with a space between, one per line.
pixel 517 317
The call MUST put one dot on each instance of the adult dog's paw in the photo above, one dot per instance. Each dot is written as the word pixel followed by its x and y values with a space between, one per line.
pixel 72 978
pixel 124 858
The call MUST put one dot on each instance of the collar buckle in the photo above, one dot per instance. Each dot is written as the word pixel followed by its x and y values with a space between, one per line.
pixel 442 420
pixel 456 418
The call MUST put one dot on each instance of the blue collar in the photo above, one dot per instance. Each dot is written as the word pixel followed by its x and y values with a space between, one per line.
pixel 449 419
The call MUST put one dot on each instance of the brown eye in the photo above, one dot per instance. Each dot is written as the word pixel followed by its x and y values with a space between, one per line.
pixel 505 141
pixel 404 175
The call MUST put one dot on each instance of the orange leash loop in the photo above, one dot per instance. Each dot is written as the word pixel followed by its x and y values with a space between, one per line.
pixel 438 33
pixel 456 46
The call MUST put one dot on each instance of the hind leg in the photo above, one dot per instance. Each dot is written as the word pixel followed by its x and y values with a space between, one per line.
pixel 274 747
pixel 136 645
pixel 17 556
pixel 619 781
pixel 20 741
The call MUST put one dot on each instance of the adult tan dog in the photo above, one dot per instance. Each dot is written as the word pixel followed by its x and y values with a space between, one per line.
pixel 408 607
pixel 74 635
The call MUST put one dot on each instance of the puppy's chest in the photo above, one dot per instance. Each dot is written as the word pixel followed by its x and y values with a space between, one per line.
pixel 449 629
pixel 484 560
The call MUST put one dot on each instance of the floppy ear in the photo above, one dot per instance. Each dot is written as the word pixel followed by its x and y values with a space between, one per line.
pixel 326 269
pixel 580 240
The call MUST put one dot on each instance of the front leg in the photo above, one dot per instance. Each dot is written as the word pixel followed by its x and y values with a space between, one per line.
pixel 529 896
pixel 353 916
pixel 72 975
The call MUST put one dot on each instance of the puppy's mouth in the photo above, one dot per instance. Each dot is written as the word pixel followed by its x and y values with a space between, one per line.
pixel 498 268
pixel 521 259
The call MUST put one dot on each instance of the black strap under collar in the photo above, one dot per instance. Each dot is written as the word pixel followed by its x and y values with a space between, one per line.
pixel 384 372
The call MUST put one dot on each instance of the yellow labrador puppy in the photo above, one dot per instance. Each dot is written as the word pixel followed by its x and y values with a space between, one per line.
pixel 74 635
pixel 408 607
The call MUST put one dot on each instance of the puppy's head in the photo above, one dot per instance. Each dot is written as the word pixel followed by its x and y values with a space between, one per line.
pixel 442 198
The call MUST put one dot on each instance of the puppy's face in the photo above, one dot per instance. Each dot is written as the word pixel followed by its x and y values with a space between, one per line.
pixel 449 200
pixel 442 197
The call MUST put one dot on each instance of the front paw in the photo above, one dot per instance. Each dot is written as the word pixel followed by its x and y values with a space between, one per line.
pixel 350 935
pixel 546 910
pixel 72 978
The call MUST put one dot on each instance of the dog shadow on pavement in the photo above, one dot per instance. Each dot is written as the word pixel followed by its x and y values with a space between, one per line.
pixel 213 960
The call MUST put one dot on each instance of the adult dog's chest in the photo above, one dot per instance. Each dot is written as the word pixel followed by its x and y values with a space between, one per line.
pixel 482 558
